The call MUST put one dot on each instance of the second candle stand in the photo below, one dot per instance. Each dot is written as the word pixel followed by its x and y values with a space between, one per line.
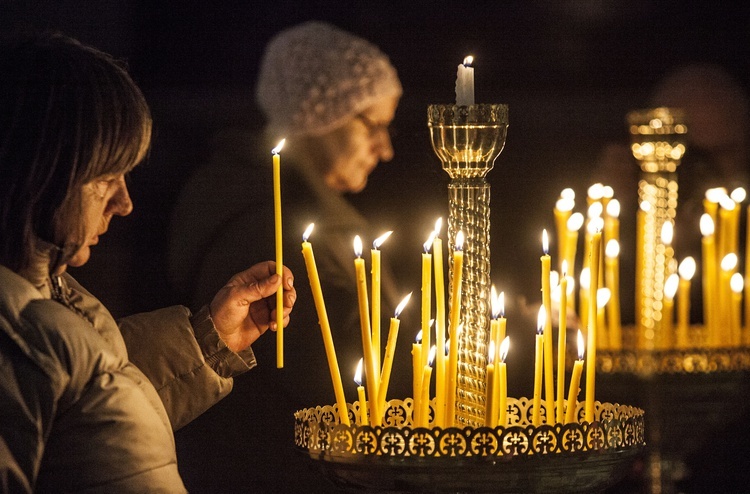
pixel 468 139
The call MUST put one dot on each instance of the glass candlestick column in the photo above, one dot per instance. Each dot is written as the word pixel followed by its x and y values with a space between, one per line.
pixel 657 137
pixel 468 139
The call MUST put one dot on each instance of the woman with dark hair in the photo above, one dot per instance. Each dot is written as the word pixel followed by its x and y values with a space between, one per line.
pixel 87 403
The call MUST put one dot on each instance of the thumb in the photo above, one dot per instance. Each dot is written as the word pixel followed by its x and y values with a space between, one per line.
pixel 262 288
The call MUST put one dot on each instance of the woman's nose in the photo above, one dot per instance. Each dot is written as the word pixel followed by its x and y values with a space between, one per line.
pixel 120 202
pixel 385 147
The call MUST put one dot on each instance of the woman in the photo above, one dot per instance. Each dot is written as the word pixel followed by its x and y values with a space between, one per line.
pixel 87 403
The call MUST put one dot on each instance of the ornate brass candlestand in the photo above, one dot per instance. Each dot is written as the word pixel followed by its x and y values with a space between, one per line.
pixel 468 139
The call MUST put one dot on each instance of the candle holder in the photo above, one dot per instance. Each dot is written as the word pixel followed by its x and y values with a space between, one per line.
pixel 657 138
pixel 467 140
pixel 397 457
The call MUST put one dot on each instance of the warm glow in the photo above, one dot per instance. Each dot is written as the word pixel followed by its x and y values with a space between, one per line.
pixel 357 246
pixel 545 242
pixel 612 250
pixel 428 244
pixel 596 191
pixel 460 240
pixel 585 278
pixel 565 204
pixel 671 285
pixel 581 345
pixel 687 268
pixel 308 232
pixel 402 304
pixel 602 296
pixel 379 241
pixel 706 225
pixel 738 195
pixel 729 262
pixel 504 347
pixel 575 222
pixel 358 373
pixel 491 352
pixel 278 147
pixel 438 226
pixel 667 232
pixel 736 283
pixel 468 60
pixel 541 320
pixel 613 208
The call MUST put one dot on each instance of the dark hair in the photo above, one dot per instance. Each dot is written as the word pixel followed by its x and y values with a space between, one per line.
pixel 68 113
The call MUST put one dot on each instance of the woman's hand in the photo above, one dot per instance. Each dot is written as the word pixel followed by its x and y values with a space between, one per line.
pixel 246 306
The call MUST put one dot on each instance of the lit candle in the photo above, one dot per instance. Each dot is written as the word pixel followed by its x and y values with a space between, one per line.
pixel 279 253
pixel 664 340
pixel 538 362
pixel 686 270
pixel 563 209
pixel 640 232
pixel 490 414
pixel 502 379
pixel 549 371
pixel 728 265
pixel 455 312
pixel 575 223
pixel 390 350
pixel 361 394
pixel 612 221
pixel 424 401
pixel 603 296
pixel 325 328
pixel 375 280
pixel 710 280
pixel 575 380
pixel 594 193
pixel 562 328
pixel 437 259
pixel 364 322
pixel 736 284
pixel 612 280
pixel 584 291
pixel 727 231
pixel 596 240
pixel 426 296
pixel 416 366
pixel 465 83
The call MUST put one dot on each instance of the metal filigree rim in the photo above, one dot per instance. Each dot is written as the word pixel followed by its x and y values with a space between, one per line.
pixel 458 115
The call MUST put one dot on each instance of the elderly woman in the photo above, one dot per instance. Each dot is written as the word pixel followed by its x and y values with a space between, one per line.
pixel 333 96
pixel 88 403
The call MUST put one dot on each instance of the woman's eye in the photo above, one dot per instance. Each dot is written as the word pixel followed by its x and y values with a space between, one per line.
pixel 103 186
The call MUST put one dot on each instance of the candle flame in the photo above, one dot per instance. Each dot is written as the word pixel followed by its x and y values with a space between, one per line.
pixel 613 249
pixel 667 232
pixel 727 203
pixel 594 210
pixel 670 286
pixel 585 278
pixel 613 208
pixel 564 268
pixel 595 191
pixel 568 193
pixel 379 241
pixel 504 347
pixel 358 373
pixel 565 204
pixel 554 278
pixel 438 226
pixel 738 195
pixel 308 232
pixel 447 346
pixel 595 225
pixel 645 206
pixel 491 352
pixel 715 194
pixel 402 304
pixel 357 246
pixel 729 262
pixel 460 240
pixel 581 345
pixel 278 147
pixel 419 337
pixel 541 320
pixel 736 283
pixel 575 222
pixel 428 244
pixel 602 296
pixel 468 60
pixel 545 242
pixel 493 302
pixel 608 192
pixel 706 225
pixel 431 357
pixel 687 268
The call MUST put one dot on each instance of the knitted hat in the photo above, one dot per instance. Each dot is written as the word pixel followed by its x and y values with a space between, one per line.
pixel 315 76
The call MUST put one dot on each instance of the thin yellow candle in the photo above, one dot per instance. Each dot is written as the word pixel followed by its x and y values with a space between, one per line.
pixel 612 221
pixel 562 328
pixel 426 296
pixel 416 366
pixel 325 327
pixel 390 350
pixel 437 259
pixel 747 273
pixel 375 281
pixel 584 291
pixel 575 222
pixel 665 339
pixel 424 401
pixel 455 312
pixel 736 284
pixel 538 363
pixel 738 195
pixel 502 380
pixel 596 240
pixel 371 374
pixel 710 280
pixel 687 271
pixel 563 209
pixel 549 370
pixel 640 232
pixel 612 280
pixel 726 225
pixel 575 381
pixel 490 414
pixel 363 420
pixel 603 296
pixel 728 265
pixel 279 253
pixel 501 321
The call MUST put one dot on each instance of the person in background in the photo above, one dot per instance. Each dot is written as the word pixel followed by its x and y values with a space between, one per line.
pixel 88 403
pixel 332 95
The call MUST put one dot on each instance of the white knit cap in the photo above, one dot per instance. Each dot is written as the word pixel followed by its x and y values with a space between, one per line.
pixel 315 76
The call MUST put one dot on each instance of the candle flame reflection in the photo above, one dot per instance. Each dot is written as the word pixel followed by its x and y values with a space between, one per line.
pixel 308 232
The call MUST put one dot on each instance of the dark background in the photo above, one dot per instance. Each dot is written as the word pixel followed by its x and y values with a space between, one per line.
pixel 569 71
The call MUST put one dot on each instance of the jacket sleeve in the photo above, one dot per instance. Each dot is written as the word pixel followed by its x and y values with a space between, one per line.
pixel 184 358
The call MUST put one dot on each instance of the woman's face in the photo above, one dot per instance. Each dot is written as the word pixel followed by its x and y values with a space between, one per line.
pixel 101 199
pixel 350 153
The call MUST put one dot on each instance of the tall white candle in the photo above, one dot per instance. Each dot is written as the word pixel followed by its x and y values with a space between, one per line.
pixel 465 83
